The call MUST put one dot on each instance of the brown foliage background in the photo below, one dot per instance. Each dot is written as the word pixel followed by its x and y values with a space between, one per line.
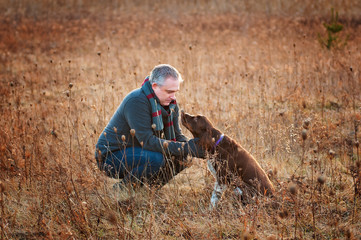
pixel 256 70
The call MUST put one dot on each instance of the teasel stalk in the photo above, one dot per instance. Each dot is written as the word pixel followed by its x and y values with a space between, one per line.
pixel 293 190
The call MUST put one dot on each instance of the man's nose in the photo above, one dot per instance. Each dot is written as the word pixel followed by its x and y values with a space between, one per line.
pixel 172 96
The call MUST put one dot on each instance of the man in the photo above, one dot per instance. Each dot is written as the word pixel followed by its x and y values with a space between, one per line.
pixel 143 141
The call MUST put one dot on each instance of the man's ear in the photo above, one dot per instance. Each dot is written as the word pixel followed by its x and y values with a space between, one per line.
pixel 154 85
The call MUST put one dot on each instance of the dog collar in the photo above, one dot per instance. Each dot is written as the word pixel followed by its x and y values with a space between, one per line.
pixel 219 140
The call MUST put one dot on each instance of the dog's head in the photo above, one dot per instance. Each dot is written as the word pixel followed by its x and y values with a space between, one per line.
pixel 199 126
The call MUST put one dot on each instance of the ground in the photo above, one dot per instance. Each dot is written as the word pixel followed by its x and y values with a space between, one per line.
pixel 257 70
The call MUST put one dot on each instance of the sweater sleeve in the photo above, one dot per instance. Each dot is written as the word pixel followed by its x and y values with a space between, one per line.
pixel 137 113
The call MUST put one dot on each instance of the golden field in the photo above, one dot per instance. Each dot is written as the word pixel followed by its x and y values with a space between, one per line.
pixel 257 70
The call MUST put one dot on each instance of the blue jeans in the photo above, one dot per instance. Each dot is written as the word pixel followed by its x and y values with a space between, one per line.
pixel 137 165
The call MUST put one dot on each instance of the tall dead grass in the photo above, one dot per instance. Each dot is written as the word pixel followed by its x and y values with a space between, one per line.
pixel 255 70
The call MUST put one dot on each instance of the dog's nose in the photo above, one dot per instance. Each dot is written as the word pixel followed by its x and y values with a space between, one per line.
pixel 182 113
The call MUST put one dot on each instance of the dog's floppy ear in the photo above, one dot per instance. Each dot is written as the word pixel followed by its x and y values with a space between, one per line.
pixel 206 139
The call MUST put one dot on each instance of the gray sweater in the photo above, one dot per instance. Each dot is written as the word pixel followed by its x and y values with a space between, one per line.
pixel 135 112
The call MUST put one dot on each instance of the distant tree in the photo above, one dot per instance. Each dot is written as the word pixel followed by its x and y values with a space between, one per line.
pixel 333 28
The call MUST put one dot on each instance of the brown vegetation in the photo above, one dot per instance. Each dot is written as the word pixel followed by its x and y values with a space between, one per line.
pixel 257 70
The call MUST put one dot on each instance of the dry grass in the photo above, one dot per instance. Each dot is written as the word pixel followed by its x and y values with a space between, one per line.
pixel 256 70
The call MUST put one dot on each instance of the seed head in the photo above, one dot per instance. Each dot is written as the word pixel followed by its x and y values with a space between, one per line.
pixel 357 144
pixel 132 132
pixel 304 134
pixel 70 85
pixel 112 218
pixel 304 105
pixel 331 153
pixel 306 123
pixel 292 188
pixel 349 141
pixel 283 213
pixel 348 232
pixel 321 179
pixel 123 138
pixel 315 161
pixel 165 144
pixel 272 237
pixel 247 236
pixel 2 187
pixel 275 171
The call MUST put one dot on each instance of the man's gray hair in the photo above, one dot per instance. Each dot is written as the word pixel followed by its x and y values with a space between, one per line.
pixel 162 72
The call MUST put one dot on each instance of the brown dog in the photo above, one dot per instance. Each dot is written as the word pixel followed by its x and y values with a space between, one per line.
pixel 231 160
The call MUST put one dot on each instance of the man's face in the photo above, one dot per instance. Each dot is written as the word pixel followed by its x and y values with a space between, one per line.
pixel 166 93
